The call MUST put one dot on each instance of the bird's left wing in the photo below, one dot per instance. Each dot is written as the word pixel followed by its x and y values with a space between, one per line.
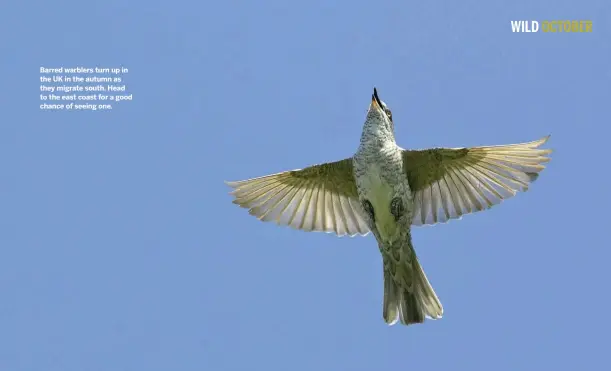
pixel 450 182
pixel 318 198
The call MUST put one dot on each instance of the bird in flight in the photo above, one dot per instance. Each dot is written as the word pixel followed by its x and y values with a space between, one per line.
pixel 385 189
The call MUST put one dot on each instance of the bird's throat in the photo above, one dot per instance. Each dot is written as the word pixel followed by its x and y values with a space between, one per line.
pixel 377 134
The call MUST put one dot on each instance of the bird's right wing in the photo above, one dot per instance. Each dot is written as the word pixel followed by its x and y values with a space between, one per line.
pixel 320 198
pixel 450 182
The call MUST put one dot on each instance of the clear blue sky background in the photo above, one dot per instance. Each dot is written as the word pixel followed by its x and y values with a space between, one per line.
pixel 120 248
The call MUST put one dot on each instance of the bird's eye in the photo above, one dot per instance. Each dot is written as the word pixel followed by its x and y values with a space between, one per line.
pixel 388 113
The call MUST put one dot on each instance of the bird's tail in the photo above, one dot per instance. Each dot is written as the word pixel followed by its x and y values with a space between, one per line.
pixel 413 304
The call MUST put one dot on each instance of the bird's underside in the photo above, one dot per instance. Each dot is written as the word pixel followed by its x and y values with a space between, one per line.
pixel 443 183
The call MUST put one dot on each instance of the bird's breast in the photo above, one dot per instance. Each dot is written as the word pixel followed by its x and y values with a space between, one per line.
pixel 379 187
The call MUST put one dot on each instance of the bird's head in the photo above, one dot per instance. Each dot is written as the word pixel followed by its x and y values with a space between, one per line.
pixel 379 115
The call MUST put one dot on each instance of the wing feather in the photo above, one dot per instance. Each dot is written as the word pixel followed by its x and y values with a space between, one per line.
pixel 317 198
pixel 450 182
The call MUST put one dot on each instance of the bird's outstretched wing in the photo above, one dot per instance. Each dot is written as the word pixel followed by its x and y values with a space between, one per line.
pixel 319 198
pixel 450 182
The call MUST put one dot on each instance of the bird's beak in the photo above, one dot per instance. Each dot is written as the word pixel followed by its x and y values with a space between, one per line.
pixel 376 104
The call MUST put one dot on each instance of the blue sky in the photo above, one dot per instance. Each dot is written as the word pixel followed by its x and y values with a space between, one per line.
pixel 121 249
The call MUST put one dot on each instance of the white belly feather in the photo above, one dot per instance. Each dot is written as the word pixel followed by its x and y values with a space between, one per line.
pixel 375 189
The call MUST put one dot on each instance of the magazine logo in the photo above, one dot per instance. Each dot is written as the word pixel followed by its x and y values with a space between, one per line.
pixel 551 26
